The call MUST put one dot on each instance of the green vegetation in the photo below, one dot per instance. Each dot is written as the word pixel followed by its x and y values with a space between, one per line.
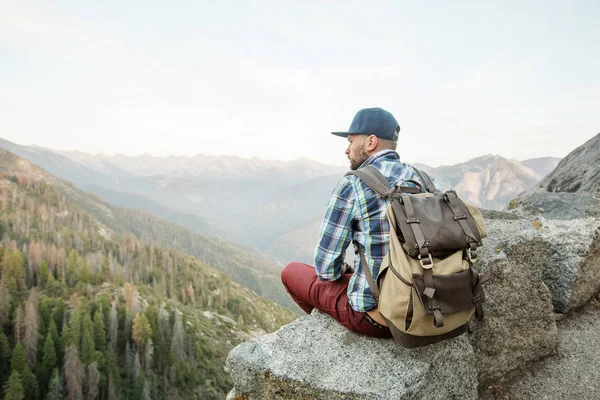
pixel 88 312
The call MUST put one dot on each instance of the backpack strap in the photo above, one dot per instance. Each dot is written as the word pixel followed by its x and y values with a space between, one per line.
pixel 377 182
pixel 368 274
pixel 461 218
pixel 374 179
pixel 425 259
pixel 427 181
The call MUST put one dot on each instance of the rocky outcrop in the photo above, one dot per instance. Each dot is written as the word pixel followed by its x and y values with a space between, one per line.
pixel 577 172
pixel 570 223
pixel 570 374
pixel 316 358
pixel 519 325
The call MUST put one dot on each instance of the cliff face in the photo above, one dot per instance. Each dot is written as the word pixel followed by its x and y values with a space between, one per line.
pixel 577 172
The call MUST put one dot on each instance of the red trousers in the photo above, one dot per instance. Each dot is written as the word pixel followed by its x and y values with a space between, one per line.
pixel 331 297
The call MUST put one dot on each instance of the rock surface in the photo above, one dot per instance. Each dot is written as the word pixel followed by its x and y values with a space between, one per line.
pixel 519 326
pixel 577 172
pixel 570 223
pixel 559 206
pixel 314 357
pixel 571 374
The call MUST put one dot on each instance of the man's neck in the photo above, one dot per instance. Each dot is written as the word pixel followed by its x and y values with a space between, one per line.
pixel 376 155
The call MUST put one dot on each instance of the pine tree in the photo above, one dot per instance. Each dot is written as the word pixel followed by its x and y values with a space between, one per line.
pixel 4 300
pixel 178 341
pixel 142 332
pixel 84 272
pixel 73 372
pixel 99 331
pixel 18 324
pixel 53 332
pixel 46 306
pixel 87 346
pixel 4 347
pixel 13 389
pixel 142 336
pixel 49 356
pixel 31 324
pixel 43 273
pixel 113 325
pixel 35 260
pixel 72 266
pixel 114 380
pixel 13 267
pixel 18 363
pixel 91 381
pixel 53 286
pixel 48 361
pixel 4 356
pixel 72 333
pixel 59 315
pixel 55 388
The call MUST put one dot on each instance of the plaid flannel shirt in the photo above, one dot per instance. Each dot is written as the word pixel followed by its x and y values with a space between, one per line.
pixel 356 213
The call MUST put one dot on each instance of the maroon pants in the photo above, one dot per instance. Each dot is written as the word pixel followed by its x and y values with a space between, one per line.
pixel 331 297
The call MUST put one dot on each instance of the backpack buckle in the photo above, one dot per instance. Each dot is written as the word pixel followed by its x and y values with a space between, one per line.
pixel 473 255
pixel 426 263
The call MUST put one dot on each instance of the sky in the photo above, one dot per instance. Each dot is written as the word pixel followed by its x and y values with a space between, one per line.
pixel 272 79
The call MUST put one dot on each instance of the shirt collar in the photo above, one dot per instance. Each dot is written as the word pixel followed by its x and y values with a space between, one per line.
pixel 378 155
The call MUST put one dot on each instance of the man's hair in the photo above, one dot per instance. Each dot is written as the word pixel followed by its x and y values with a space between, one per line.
pixel 388 144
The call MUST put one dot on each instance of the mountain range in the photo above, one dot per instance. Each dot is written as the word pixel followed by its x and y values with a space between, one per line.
pixel 250 267
pixel 272 206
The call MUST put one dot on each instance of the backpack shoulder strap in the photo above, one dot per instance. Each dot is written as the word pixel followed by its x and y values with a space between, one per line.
pixel 373 178
pixel 429 185
pixel 376 181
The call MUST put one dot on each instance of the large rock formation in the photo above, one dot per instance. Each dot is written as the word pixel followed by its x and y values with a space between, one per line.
pixel 570 374
pixel 577 172
pixel 570 223
pixel 566 208
pixel 519 325
pixel 316 358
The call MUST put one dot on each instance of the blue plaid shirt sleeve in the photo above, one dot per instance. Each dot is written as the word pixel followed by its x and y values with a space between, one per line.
pixel 336 232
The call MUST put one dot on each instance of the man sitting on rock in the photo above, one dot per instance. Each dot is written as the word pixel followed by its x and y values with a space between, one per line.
pixel 355 213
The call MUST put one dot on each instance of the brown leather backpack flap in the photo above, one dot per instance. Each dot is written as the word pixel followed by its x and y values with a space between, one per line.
pixel 453 292
pixel 438 222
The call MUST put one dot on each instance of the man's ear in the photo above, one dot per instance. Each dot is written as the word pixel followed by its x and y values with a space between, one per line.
pixel 372 142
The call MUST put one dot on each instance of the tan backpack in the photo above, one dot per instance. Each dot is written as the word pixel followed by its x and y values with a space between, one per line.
pixel 427 288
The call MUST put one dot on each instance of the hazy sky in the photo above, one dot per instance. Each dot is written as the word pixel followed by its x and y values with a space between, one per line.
pixel 272 79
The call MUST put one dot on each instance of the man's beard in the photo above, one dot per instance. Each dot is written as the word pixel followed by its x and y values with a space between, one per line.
pixel 362 157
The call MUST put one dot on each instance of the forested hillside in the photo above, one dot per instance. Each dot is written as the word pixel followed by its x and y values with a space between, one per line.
pixel 244 265
pixel 90 313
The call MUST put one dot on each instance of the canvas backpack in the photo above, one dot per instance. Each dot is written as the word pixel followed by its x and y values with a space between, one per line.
pixel 427 288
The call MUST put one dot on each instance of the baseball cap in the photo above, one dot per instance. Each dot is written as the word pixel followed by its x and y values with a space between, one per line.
pixel 373 121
